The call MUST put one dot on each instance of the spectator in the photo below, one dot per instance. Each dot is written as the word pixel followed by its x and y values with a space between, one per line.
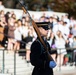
pixel 14 16
pixel 66 30
pixel 51 22
pixel 68 56
pixel 73 30
pixel 2 13
pixel 23 20
pixel 66 19
pixel 71 23
pixel 3 22
pixel 7 16
pixel 11 28
pixel 58 26
pixel 42 19
pixel 60 45
pixel 27 18
pixel 28 41
pixel 74 52
pixel 17 36
pixel 55 20
pixel 1 6
pixel 20 29
pixel 25 30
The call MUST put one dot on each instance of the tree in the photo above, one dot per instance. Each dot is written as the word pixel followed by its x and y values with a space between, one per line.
pixel 67 6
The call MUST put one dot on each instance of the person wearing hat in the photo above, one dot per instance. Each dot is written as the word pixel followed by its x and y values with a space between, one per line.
pixel 38 55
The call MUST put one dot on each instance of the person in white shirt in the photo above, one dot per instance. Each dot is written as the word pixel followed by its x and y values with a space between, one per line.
pixel 66 19
pixel 1 6
pixel 71 22
pixel 66 30
pixel 60 45
pixel 73 30
pixel 58 26
pixel 17 36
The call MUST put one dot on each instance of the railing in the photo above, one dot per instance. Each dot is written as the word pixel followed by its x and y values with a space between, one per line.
pixel 3 59
pixel 2 51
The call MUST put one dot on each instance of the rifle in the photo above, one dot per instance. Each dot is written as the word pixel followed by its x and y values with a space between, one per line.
pixel 37 31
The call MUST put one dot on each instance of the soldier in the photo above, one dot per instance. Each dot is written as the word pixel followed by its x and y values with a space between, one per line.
pixel 38 56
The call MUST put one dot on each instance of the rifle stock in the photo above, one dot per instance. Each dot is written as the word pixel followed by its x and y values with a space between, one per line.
pixel 37 31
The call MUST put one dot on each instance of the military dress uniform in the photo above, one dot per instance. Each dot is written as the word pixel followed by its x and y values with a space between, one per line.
pixel 39 59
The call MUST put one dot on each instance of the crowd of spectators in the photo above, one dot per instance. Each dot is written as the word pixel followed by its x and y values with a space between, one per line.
pixel 20 32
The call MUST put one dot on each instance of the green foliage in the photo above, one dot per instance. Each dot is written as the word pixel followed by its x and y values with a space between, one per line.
pixel 68 6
